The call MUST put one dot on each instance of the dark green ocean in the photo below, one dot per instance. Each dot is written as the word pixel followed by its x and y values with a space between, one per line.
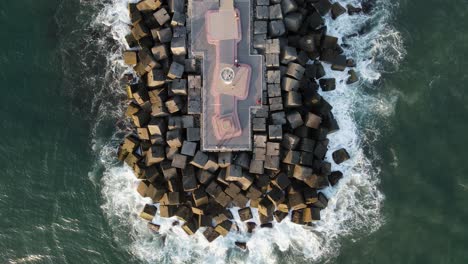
pixel 65 199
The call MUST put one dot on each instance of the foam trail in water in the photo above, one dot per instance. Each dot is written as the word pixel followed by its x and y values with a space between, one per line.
pixel 354 204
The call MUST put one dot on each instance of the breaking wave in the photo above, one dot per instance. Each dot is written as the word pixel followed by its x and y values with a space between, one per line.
pixel 354 208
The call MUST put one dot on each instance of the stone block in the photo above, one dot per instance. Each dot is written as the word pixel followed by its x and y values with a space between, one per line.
pixel 263 2
pixel 170 198
pixel 199 160
pixel 164 35
pixel 174 105
pixel 189 148
pixel 353 10
pixel 337 10
pixel 140 118
pixel 312 120
pixel 273 76
pixel 290 141
pixel 210 234
pixel 272 60
pixel 278 118
pixel 179 161
pixel 275 132
pixel 205 177
pixel 224 228
pixel 261 12
pixel 170 152
pixel 292 157
pixel 193 134
pixel 162 16
pixel 327 84
pixel 194 81
pixel 276 103
pixel 174 138
pixel 153 227
pixel 307 145
pixel 179 46
pixel 212 163
pixel 259 124
pixel 224 159
pixel 260 140
pixel 243 160
pixel 276 28
pixel 293 21
pixel 321 148
pixel 240 200
pixel 322 201
pixel 232 190
pixel 178 87
pixel 296 201
pixel 295 119
pixel 174 122
pixel 140 30
pixel 352 77
pixel 184 213
pixel 274 90
pixel 155 155
pixel 322 6
pixel 260 27
pixel 293 99
pixel 259 153
pixel 310 195
pixel 276 12
pixel 259 41
pixel 130 57
pixel 223 199
pixel 288 54
pixel 306 158
pixel 340 156
pixel 131 41
pixel 148 5
pixel 272 162
pixel 266 207
pixel 176 70
pixel 282 181
pixel 147 60
pixel 289 84
pixel 295 70
pixel 160 52
pixel 273 148
pixel 178 19
pixel 276 196
pixel 156 78
pixel 191 226
pixel 273 46
pixel 256 167
pixel 334 177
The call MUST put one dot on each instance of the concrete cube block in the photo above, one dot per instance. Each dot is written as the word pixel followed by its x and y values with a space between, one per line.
pixel 260 27
pixel 162 16
pixel 275 12
pixel 275 132
pixel 274 90
pixel 176 70
pixel 295 119
pixel 178 87
pixel 262 12
pixel 276 28
pixel 179 46
pixel 193 134
pixel 259 124
pixel 179 161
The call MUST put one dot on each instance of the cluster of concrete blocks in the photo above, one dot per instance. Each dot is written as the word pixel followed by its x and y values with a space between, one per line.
pixel 285 171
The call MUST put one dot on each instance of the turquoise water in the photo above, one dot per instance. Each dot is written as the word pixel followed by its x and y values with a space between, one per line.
pixel 64 199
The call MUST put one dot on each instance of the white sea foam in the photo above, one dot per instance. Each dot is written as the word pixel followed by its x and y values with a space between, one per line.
pixel 355 203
